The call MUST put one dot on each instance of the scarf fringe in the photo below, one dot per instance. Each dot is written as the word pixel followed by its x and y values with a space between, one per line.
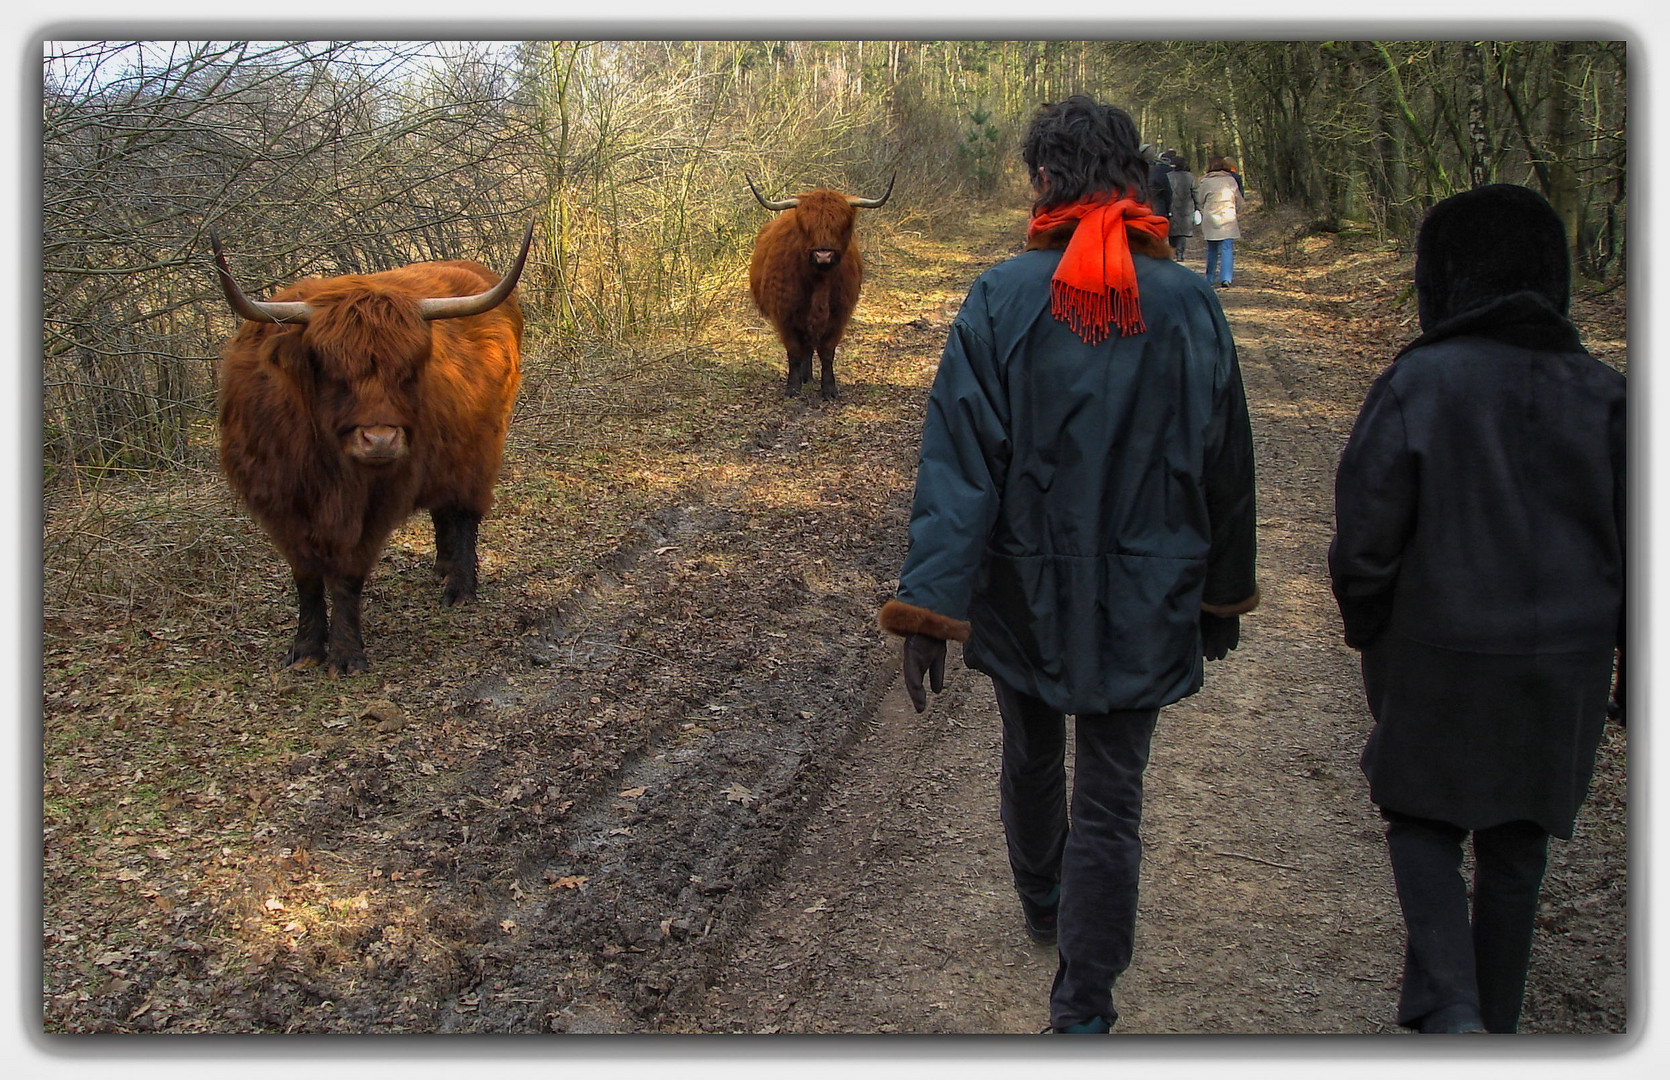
pixel 1088 314
pixel 1095 285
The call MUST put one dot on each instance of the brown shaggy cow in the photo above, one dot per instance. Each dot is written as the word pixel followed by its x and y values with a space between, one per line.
pixel 348 403
pixel 805 275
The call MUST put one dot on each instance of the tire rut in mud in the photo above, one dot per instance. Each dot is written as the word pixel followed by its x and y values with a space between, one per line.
pixel 589 882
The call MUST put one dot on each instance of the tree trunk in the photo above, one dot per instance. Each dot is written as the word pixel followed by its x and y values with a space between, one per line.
pixel 1478 139
pixel 1560 141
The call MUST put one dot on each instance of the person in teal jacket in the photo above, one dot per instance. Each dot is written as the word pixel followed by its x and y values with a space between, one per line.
pixel 1084 523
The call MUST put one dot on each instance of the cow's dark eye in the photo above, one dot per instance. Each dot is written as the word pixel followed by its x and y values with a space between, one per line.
pixel 338 395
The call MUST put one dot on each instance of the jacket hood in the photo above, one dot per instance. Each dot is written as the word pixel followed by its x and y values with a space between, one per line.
pixel 1482 245
pixel 1525 319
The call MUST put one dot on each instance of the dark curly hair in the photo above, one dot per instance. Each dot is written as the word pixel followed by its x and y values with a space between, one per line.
pixel 1086 149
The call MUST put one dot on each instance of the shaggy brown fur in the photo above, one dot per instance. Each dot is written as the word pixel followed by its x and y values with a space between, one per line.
pixel 804 277
pixel 898 617
pixel 335 431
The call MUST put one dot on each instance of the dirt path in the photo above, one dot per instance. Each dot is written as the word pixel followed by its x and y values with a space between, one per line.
pixel 1267 906
pixel 685 793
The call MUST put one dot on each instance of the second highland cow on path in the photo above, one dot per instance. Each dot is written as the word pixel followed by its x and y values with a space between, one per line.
pixel 805 276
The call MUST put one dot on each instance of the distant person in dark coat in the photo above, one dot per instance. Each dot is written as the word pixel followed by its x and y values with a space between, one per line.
pixel 1159 187
pixel 1478 562
pixel 1185 208
pixel 1084 522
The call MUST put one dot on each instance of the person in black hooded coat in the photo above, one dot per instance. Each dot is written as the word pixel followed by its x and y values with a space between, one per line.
pixel 1478 563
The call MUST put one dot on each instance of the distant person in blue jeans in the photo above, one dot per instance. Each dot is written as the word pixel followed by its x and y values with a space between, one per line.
pixel 1221 207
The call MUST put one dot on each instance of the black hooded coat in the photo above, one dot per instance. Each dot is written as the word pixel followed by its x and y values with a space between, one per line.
pixel 1478 559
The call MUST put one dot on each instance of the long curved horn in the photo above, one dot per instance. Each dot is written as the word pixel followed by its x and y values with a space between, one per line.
pixel 454 307
pixel 278 311
pixel 780 204
pixel 871 204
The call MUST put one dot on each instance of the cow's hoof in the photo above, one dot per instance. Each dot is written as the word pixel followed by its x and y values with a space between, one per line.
pixel 306 662
pixel 453 596
pixel 347 665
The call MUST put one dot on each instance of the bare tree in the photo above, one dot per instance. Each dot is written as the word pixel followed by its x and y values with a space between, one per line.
pixel 308 156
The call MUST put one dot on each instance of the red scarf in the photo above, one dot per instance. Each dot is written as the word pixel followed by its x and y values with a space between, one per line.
pixel 1096 282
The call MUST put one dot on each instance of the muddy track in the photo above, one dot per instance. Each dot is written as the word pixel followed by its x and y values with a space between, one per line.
pixel 595 889
pixel 574 841
pixel 1259 846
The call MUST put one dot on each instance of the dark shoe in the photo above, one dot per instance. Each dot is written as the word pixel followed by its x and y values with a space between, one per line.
pixel 1096 1025
pixel 1040 918
pixel 1453 1020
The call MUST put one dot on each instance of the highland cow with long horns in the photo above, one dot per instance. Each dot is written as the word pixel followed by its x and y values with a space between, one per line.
pixel 348 403
pixel 805 276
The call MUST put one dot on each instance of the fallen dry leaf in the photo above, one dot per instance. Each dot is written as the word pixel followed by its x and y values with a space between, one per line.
pixel 379 709
pixel 388 715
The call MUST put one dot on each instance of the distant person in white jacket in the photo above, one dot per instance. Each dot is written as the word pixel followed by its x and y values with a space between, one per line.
pixel 1221 207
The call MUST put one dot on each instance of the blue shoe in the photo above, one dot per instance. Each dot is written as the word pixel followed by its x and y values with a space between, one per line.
pixel 1096 1025
pixel 1040 917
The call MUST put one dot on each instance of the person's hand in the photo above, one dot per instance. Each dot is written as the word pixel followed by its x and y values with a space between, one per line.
pixel 1218 634
pixel 923 654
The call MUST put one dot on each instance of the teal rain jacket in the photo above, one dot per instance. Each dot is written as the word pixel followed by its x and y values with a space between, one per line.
pixel 1078 504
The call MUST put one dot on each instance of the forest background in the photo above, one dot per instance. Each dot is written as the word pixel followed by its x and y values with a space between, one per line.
pixel 326 158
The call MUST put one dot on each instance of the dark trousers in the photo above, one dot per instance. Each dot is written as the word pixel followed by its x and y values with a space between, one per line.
pixel 1097 859
pixel 1453 958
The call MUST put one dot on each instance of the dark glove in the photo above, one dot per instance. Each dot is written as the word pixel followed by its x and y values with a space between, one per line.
pixel 1218 634
pixel 923 653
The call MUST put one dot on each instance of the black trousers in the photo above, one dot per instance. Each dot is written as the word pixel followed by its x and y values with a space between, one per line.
pixel 1097 858
pixel 1454 958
